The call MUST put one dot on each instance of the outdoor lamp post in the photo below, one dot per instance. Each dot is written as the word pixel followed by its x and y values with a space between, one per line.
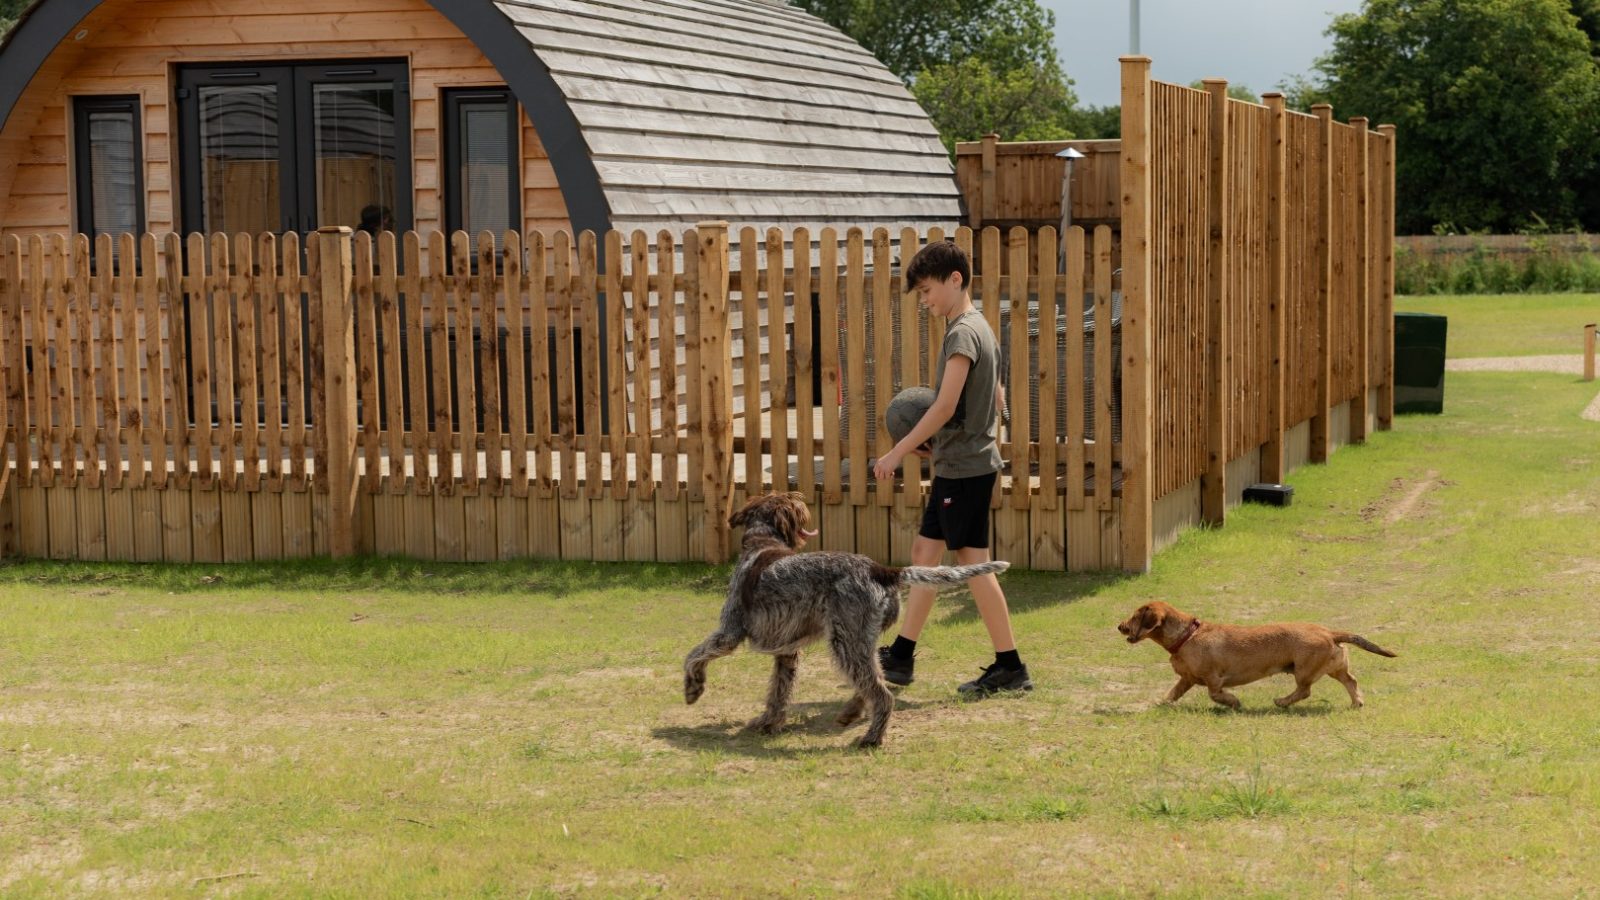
pixel 1067 156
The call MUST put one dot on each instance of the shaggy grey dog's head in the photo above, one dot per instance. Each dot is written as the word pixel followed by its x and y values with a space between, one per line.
pixel 780 516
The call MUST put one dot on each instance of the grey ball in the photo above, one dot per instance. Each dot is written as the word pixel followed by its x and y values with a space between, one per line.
pixel 907 409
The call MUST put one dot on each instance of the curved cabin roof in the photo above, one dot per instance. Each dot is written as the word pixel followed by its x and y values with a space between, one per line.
pixel 662 113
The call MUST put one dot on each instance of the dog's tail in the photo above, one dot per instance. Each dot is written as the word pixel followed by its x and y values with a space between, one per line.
pixel 1345 637
pixel 949 574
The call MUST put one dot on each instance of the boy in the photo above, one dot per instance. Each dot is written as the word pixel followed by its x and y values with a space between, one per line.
pixel 966 461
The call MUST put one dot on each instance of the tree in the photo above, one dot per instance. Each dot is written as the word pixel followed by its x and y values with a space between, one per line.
pixel 10 11
pixel 1094 123
pixel 976 66
pixel 1497 104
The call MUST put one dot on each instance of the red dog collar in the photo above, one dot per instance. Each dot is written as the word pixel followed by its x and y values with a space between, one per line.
pixel 1194 625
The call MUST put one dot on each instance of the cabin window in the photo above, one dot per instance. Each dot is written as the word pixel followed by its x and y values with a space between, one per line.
pixel 295 147
pixel 480 163
pixel 108 163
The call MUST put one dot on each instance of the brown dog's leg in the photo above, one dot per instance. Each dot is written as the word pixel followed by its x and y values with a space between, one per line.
pixel 1344 677
pixel 718 645
pixel 1302 690
pixel 852 711
pixel 784 667
pixel 1223 697
pixel 1179 689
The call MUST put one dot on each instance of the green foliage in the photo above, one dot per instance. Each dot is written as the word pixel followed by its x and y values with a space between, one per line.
pixel 976 66
pixel 1095 122
pixel 912 37
pixel 1497 103
pixel 1302 93
pixel 10 11
pixel 970 98
pixel 1543 271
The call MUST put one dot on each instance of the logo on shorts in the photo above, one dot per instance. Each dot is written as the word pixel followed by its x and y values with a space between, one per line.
pixel 949 501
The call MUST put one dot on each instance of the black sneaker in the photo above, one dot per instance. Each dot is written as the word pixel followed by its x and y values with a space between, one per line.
pixel 997 678
pixel 896 671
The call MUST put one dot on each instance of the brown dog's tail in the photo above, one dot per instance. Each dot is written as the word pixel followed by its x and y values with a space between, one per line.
pixel 949 574
pixel 1345 637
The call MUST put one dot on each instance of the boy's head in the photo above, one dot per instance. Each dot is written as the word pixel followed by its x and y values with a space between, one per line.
pixel 933 273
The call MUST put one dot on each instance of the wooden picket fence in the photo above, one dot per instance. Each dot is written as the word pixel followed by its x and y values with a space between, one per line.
pixel 488 399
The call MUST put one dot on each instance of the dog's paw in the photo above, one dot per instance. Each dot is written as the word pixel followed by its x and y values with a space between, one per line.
pixel 764 725
pixel 692 691
pixel 869 743
pixel 847 718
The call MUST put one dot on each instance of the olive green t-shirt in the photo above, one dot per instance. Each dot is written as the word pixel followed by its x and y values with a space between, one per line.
pixel 966 445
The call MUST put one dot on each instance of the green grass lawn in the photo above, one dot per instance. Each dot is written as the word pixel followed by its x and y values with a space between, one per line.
pixel 1509 324
pixel 384 728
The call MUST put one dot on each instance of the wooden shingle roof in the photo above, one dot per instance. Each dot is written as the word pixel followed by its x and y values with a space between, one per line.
pixel 751 111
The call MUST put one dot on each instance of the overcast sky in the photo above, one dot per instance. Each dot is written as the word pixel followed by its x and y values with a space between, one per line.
pixel 1258 43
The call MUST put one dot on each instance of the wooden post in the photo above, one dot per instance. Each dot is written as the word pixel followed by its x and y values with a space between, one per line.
pixel 1272 459
pixel 1386 300
pixel 1214 486
pixel 1136 397
pixel 716 386
pixel 1588 352
pixel 1320 433
pixel 1363 262
pixel 338 417
pixel 989 199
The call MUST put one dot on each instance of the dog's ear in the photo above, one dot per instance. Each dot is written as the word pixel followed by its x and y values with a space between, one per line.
pixel 1151 617
pixel 802 512
pixel 742 517
pixel 787 521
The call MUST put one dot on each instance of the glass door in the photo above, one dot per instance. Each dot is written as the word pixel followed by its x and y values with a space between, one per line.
pixel 295 147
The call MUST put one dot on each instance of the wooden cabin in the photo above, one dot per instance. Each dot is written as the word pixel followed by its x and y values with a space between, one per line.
pixel 236 116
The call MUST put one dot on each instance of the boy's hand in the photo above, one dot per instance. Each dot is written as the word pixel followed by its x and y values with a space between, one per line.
pixel 884 469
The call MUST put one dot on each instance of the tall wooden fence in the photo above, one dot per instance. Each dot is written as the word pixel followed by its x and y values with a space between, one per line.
pixel 1269 286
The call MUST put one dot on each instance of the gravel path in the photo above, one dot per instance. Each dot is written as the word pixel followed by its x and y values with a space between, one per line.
pixel 1566 365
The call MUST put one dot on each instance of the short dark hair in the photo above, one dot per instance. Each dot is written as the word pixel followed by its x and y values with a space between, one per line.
pixel 938 261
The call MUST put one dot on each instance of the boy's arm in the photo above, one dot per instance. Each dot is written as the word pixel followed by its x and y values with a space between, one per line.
pixel 943 408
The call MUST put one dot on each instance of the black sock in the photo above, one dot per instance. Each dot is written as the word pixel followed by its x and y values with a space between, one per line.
pixel 902 648
pixel 1008 659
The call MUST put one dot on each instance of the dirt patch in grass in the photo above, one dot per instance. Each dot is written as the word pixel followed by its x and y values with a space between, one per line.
pixel 41 857
pixel 1404 499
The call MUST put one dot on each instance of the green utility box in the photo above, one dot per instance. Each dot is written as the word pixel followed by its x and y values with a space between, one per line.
pixel 1419 362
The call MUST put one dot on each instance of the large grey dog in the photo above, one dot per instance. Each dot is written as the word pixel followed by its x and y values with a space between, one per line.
pixel 780 601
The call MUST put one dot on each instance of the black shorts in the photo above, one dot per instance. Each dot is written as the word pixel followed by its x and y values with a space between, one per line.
pixel 958 511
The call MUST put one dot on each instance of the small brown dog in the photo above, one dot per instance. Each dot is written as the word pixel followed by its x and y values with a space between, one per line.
pixel 1223 656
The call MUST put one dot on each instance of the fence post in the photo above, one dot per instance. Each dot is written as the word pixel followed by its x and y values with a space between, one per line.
pixel 989 199
pixel 1277 277
pixel 1136 395
pixel 1363 263
pixel 1214 486
pixel 1588 352
pixel 338 417
pixel 1320 436
pixel 716 387
pixel 1386 300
